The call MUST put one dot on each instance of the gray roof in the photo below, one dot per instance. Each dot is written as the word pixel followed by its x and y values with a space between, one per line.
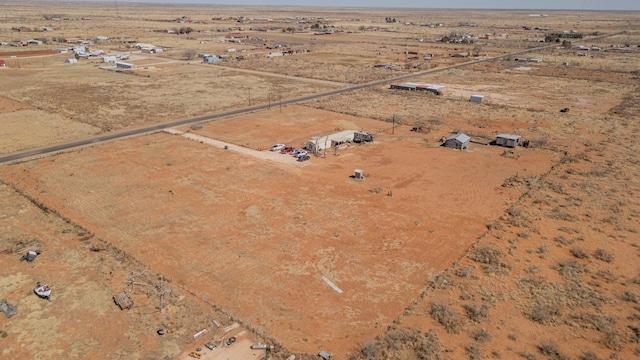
pixel 463 138
pixel 508 136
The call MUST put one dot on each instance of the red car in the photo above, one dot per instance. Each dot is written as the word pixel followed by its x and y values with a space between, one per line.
pixel 287 149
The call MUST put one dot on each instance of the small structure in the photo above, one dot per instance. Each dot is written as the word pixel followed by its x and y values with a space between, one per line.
pixel 34 42
pixel 2 63
pixel 476 98
pixel 436 89
pixel 124 66
pixel 123 301
pixel 324 355
pixel 211 59
pixel 458 141
pixel 71 61
pixel 508 140
pixel 108 59
pixel 359 174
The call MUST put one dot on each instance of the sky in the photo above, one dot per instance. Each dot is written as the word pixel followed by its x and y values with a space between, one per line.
pixel 426 4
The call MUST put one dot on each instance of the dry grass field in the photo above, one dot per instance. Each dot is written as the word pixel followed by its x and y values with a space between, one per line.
pixel 488 252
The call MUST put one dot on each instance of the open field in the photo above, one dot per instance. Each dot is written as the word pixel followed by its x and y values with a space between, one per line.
pixel 487 252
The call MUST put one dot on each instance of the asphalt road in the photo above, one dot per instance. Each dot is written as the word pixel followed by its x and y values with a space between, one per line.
pixel 102 138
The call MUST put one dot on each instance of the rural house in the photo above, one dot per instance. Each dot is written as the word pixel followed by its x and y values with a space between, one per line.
pixel 319 143
pixel 458 141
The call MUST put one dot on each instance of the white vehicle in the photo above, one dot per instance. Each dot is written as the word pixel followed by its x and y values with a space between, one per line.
pixel 301 153
pixel 43 291
pixel 276 147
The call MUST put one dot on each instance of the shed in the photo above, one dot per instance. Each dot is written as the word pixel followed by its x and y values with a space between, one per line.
pixel 108 59
pixel 211 59
pixel 359 174
pixel 508 140
pixel 124 65
pixel 3 63
pixel 458 141
pixel 476 98
pixel 325 355
pixel 70 61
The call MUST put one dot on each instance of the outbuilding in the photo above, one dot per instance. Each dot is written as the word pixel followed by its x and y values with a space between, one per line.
pixel 476 99
pixel 3 63
pixel 458 141
pixel 71 61
pixel 124 65
pixel 108 59
pixel 211 59
pixel 508 140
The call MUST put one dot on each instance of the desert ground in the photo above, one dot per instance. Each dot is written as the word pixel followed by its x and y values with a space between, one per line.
pixel 438 253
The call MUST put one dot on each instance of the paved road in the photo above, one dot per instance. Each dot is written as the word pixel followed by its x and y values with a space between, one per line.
pixel 159 127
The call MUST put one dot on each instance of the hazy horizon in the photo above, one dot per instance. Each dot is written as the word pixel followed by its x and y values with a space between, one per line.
pixel 612 5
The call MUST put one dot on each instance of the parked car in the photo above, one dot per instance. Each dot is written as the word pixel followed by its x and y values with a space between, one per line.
pixel 277 147
pixel 301 153
pixel 295 152
pixel 287 149
pixel 303 158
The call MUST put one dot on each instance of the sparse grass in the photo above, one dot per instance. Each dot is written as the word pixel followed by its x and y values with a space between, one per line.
pixel 600 322
pixel 446 317
pixel 570 269
pixel 527 356
pixel 518 217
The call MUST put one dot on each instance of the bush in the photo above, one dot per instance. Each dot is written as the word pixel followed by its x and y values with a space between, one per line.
pixel 476 313
pixel 441 313
pixel 579 253
pixel 589 355
pixel 550 350
pixel 400 344
pixel 629 296
pixel 481 335
pixel 491 258
pixel 603 255
pixel 544 313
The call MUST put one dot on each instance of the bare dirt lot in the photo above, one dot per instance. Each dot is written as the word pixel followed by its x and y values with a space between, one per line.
pixel 486 252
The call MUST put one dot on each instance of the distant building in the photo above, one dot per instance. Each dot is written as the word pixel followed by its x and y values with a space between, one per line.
pixel 3 63
pixel 319 143
pixel 124 66
pixel 458 141
pixel 71 61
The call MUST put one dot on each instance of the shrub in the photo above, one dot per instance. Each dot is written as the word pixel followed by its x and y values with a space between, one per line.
pixel 629 296
pixel 527 356
pixel 398 344
pixel 614 340
pixel 491 258
pixel 604 255
pixel 579 253
pixel 570 269
pixel 481 335
pixel 550 350
pixel 474 352
pixel 544 313
pixel 476 313
pixel 448 318
pixel 589 355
